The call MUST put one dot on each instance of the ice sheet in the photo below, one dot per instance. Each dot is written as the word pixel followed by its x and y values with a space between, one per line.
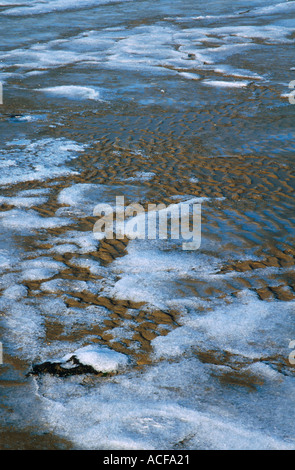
pixel 37 7
pixel 73 92
pixel 26 160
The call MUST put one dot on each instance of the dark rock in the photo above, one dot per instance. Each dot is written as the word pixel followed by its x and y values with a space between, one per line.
pixel 71 367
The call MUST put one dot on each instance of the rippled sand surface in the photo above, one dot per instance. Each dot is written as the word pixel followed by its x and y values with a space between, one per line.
pixel 161 104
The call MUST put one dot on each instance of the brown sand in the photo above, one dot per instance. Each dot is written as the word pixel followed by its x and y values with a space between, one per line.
pixel 250 184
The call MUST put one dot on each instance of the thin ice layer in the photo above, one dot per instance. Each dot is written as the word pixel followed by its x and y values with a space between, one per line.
pixel 43 159
pixel 100 358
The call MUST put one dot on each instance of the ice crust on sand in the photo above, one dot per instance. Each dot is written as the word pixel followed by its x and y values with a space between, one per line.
pixel 38 8
pixel 27 221
pixel 43 159
pixel 216 375
pixel 225 84
pixel 101 359
pixel 73 92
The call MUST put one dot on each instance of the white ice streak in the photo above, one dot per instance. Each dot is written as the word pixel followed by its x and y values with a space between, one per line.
pixel 225 84
pixel 39 7
pixel 282 7
pixel 73 92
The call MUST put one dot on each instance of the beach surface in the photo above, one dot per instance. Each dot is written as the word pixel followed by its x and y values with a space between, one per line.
pixel 136 343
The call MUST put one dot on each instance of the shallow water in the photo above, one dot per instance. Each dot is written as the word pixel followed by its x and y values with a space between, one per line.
pixel 159 102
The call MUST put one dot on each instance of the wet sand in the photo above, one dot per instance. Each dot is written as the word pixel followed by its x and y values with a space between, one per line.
pixel 246 191
pixel 256 191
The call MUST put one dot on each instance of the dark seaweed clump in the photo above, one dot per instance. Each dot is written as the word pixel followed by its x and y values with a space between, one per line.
pixel 59 369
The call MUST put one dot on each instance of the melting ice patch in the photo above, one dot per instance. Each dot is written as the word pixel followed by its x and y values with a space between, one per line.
pixel 26 117
pixel 4 3
pixel 42 268
pixel 247 326
pixel 281 7
pixel 101 359
pixel 82 198
pixel 26 160
pixel 153 275
pixel 165 405
pixel 228 70
pixel 73 92
pixel 37 8
pixel 225 84
pixel 190 76
pixel 64 285
pixel 26 221
pixel 81 242
pixel 15 292
pixel 26 198
pixel 141 175
pixel 157 48
pixel 268 33
pixel 22 201
pixel 24 326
